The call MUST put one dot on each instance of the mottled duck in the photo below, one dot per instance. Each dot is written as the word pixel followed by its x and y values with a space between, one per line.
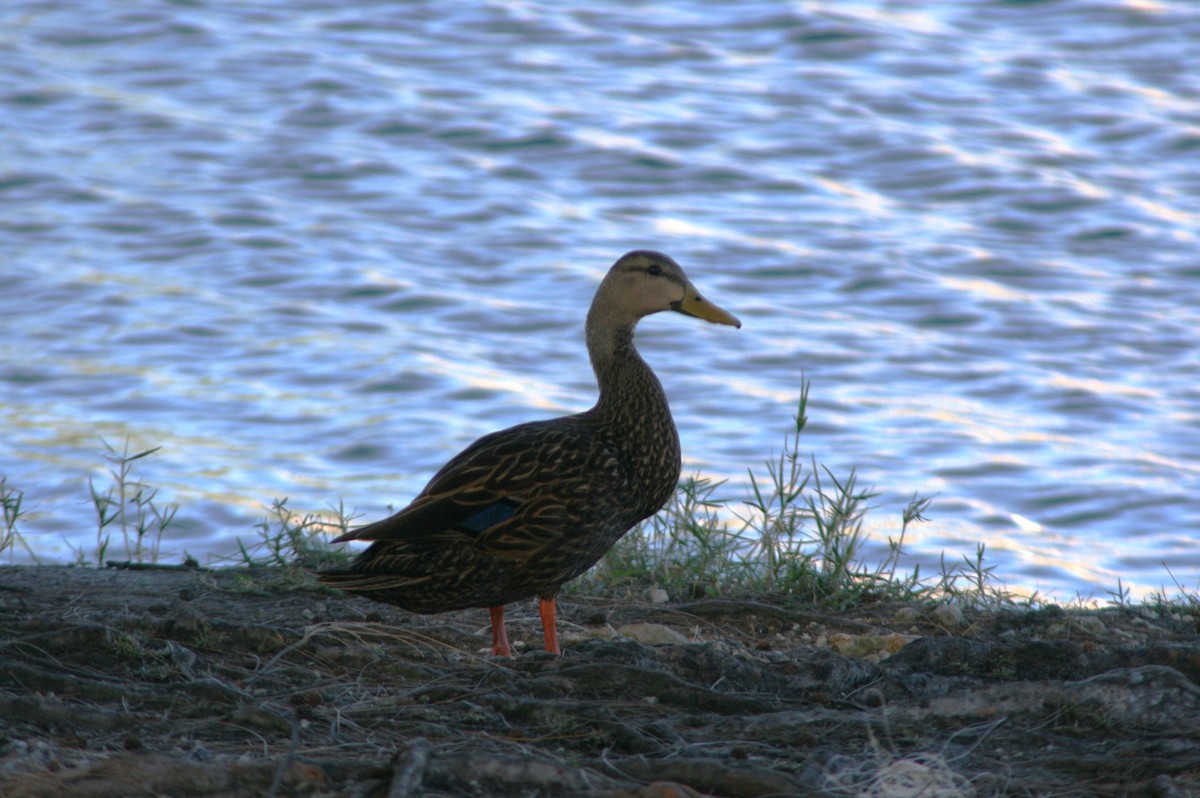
pixel 523 510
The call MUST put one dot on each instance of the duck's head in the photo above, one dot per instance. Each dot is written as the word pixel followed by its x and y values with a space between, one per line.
pixel 644 282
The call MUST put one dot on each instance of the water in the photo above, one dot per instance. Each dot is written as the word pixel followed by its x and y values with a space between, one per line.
pixel 313 249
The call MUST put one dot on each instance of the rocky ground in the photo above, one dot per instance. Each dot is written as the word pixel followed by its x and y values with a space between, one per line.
pixel 259 683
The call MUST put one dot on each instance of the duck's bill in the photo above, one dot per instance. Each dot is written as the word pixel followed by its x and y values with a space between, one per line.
pixel 693 304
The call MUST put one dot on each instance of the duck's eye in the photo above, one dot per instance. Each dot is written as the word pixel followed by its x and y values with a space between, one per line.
pixel 654 270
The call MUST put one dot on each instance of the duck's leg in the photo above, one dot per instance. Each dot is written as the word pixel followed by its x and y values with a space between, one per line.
pixel 500 646
pixel 549 613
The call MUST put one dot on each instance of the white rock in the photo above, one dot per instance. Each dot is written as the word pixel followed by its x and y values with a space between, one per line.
pixel 947 615
pixel 1090 624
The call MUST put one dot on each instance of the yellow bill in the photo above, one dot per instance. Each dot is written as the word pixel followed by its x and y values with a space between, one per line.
pixel 693 304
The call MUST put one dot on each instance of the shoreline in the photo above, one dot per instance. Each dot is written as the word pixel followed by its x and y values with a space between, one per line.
pixel 249 681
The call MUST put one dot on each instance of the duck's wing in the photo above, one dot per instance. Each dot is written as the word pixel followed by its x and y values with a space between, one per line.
pixel 511 493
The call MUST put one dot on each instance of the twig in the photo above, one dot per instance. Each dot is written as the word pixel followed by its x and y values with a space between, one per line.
pixel 130 565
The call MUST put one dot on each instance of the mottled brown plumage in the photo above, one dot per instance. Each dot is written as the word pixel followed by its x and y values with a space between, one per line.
pixel 523 510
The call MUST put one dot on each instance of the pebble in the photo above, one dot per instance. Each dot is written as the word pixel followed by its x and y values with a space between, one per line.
pixel 870 647
pixel 947 615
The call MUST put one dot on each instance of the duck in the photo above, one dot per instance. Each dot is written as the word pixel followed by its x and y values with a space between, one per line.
pixel 522 511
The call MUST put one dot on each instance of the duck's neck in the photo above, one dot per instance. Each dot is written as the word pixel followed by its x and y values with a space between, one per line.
pixel 630 393
pixel 633 412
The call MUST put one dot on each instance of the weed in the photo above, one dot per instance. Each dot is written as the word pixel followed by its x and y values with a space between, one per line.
pixel 971 583
pixel 1120 597
pixel 684 548
pixel 10 537
pixel 131 503
pixel 776 512
pixel 799 533
pixel 105 514
pixel 289 538
pixel 124 645
pixel 1186 601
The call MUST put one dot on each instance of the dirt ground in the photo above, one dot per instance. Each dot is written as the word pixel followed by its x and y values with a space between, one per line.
pixel 260 683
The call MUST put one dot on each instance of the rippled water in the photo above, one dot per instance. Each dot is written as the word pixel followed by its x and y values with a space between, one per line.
pixel 312 249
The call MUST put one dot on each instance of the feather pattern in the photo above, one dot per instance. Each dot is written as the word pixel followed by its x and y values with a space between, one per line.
pixel 521 511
